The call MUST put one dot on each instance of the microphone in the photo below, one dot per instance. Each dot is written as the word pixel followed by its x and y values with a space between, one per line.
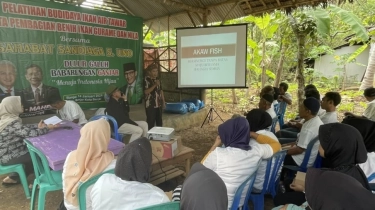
pixel 154 80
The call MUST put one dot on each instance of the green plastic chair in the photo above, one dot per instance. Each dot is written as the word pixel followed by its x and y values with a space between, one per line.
pixel 18 168
pixel 83 187
pixel 163 206
pixel 47 179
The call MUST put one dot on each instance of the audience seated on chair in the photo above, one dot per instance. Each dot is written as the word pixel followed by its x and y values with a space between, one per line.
pixel 329 103
pixel 91 157
pixel 265 103
pixel 343 149
pixel 333 190
pixel 293 127
pixel 237 160
pixel 202 189
pixel 128 188
pixel 12 134
pixel 309 130
pixel 369 113
pixel 118 107
pixel 259 121
pixel 69 110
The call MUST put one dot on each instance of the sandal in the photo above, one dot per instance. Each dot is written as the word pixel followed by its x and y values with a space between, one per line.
pixel 8 184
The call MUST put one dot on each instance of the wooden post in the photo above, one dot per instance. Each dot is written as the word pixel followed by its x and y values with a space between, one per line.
pixel 203 91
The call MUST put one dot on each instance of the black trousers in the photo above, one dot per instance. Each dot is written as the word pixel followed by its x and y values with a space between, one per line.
pixel 154 116
pixel 287 161
pixel 27 163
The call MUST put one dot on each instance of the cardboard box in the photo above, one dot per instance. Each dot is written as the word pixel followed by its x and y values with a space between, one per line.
pixel 300 178
pixel 166 149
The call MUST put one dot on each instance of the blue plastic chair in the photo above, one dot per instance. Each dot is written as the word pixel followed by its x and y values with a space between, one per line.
pixel 164 206
pixel 273 125
pixel 303 166
pixel 271 180
pixel 281 112
pixel 83 187
pixel 237 196
pixel 115 133
pixel 47 179
pixel 18 168
pixel 369 179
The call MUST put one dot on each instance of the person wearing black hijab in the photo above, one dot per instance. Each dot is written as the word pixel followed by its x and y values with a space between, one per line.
pixel 259 122
pixel 367 129
pixel 343 149
pixel 203 189
pixel 333 190
pixel 128 188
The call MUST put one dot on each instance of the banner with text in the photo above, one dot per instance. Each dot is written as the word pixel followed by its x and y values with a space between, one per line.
pixel 51 49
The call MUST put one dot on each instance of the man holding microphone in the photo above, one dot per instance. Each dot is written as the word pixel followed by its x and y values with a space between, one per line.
pixel 154 97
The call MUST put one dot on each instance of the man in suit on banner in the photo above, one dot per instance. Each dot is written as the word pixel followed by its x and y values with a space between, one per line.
pixel 133 89
pixel 37 93
pixel 8 74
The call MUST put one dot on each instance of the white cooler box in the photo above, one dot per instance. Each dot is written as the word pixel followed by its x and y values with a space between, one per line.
pixel 160 134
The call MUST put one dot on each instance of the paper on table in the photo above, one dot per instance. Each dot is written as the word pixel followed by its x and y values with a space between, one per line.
pixel 52 120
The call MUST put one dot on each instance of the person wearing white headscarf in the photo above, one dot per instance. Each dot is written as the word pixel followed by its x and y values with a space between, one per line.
pixel 12 133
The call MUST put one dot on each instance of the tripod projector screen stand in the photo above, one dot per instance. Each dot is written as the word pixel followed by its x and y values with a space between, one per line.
pixel 210 115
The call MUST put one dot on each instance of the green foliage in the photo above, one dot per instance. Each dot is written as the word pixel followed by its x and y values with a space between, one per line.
pixel 356 53
pixel 322 19
pixel 352 20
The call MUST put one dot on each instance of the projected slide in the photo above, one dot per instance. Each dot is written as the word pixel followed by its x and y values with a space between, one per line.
pixel 205 55
pixel 212 57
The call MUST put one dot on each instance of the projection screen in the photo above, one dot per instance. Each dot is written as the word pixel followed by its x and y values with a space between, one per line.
pixel 212 57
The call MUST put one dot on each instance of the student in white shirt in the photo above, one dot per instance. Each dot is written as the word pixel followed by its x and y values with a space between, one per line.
pixel 69 110
pixel 128 188
pixel 259 121
pixel 265 103
pixel 290 130
pixel 91 157
pixel 309 130
pixel 329 103
pixel 369 113
pixel 237 160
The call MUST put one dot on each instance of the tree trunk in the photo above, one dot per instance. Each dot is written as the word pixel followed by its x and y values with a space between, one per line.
pixel 279 70
pixel 263 64
pixel 368 80
pixel 234 97
pixel 344 78
pixel 301 39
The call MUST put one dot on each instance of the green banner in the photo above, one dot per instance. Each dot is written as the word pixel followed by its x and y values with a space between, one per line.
pixel 49 49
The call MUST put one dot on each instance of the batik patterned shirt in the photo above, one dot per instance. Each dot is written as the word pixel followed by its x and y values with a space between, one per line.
pixel 11 139
pixel 153 99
